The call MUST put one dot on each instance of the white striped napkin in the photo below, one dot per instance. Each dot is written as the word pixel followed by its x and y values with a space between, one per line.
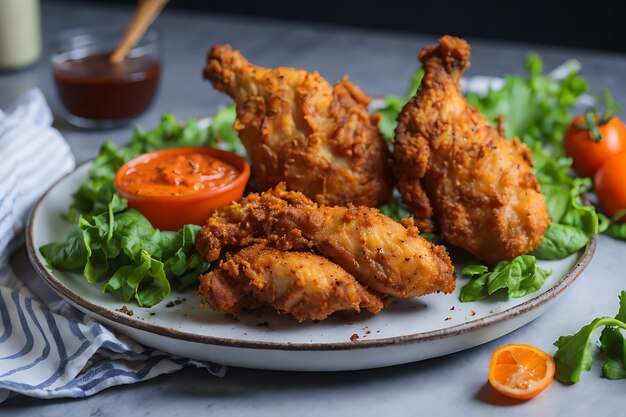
pixel 53 351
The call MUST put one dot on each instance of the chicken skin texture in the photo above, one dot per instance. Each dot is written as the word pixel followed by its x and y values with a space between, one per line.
pixel 379 252
pixel 305 285
pixel 450 162
pixel 297 128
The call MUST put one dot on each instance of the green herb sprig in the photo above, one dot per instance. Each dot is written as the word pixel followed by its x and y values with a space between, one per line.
pixel 121 248
pixel 574 353
pixel 519 277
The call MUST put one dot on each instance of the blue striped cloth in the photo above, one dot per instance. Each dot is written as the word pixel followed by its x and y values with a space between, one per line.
pixel 53 350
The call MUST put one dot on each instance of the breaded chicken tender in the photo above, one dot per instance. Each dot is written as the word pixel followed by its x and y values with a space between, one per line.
pixel 297 128
pixel 450 162
pixel 379 252
pixel 305 285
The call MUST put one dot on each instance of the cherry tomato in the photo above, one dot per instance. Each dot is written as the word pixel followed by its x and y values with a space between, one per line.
pixel 588 154
pixel 610 185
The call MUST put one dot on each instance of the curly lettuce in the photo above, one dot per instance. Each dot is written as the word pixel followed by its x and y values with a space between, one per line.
pixel 122 250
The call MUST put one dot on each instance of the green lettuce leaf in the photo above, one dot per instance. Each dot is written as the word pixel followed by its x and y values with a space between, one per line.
pixel 69 255
pixel 395 208
pixel 561 240
pixel 613 227
pixel 535 108
pixel 181 262
pixel 121 247
pixel 143 281
pixel 574 352
pixel 222 135
pixel 617 230
pixel 519 277
pixel 613 345
pixel 572 223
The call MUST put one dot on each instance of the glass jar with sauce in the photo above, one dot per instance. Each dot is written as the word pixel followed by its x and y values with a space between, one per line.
pixel 97 93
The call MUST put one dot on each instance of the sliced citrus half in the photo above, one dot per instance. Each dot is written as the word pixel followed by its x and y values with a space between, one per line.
pixel 520 371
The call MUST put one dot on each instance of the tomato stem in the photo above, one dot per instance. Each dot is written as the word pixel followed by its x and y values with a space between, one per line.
pixel 593 122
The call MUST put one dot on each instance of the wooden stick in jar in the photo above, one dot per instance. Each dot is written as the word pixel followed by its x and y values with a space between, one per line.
pixel 147 11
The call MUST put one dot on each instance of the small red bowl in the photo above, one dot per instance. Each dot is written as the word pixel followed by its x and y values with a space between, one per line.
pixel 171 212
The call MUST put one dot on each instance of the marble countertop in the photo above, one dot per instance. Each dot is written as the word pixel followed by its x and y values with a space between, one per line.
pixel 380 63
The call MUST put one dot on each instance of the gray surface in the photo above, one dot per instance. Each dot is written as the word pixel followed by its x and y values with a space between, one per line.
pixel 380 63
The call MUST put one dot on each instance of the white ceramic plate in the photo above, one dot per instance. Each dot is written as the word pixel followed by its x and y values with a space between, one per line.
pixel 407 331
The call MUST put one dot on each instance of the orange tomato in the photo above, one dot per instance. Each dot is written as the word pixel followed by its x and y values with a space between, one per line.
pixel 610 185
pixel 587 154
pixel 520 371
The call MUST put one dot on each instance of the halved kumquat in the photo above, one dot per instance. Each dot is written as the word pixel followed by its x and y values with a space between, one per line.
pixel 520 371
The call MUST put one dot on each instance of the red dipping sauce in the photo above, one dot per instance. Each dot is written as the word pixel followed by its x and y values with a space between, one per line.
pixel 92 88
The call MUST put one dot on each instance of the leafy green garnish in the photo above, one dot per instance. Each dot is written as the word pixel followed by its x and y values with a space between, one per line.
pixel 616 230
pixel 222 135
pixel 395 208
pixel 561 240
pixel 572 223
pixel 613 345
pixel 520 277
pixel 535 109
pixel 614 227
pixel 563 193
pixel 121 246
pixel 574 352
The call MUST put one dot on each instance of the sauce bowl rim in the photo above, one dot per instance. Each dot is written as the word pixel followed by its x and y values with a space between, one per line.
pixel 238 162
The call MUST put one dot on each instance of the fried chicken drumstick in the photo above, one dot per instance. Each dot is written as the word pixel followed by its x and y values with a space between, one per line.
pixel 449 160
pixel 378 251
pixel 302 284
pixel 299 129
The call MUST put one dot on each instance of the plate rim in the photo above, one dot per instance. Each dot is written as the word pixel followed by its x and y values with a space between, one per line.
pixel 99 311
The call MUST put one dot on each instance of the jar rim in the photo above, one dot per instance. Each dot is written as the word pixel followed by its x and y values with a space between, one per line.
pixel 87 39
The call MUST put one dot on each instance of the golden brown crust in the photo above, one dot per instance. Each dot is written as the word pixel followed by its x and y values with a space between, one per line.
pixel 447 156
pixel 299 129
pixel 378 251
pixel 302 284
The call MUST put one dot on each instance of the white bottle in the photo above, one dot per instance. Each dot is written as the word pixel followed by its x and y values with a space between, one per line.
pixel 20 33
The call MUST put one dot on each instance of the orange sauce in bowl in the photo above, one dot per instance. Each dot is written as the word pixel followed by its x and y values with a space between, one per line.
pixel 177 175
pixel 177 186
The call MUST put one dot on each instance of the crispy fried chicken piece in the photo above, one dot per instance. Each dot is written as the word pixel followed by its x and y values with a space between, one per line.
pixel 450 160
pixel 299 129
pixel 380 252
pixel 305 285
